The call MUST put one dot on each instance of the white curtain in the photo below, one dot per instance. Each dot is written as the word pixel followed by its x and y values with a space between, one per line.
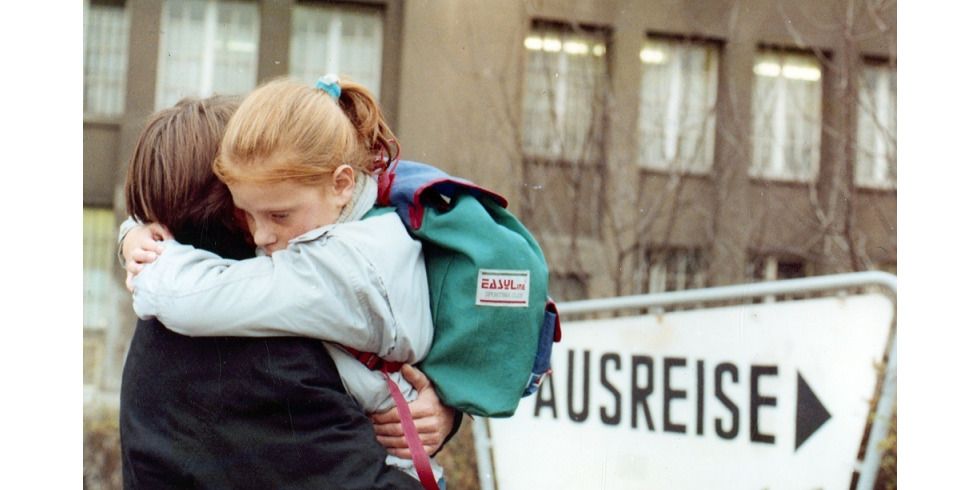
pixel 676 127
pixel 339 39
pixel 877 124
pixel 786 117
pixel 106 41
pixel 564 97
pixel 207 47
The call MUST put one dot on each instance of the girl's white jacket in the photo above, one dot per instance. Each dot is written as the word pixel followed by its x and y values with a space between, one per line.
pixel 361 284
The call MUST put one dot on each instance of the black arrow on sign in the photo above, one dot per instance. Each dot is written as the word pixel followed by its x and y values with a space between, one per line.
pixel 810 413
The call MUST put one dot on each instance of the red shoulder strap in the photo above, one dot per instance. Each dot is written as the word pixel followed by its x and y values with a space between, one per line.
pixel 421 460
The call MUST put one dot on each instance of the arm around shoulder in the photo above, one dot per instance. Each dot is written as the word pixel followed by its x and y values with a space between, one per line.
pixel 320 290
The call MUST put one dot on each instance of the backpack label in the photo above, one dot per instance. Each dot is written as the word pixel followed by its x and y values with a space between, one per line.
pixel 509 288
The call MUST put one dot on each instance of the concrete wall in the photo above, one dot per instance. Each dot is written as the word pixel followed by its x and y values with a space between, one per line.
pixel 100 152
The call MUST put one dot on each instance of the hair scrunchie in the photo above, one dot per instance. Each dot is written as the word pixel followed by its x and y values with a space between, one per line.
pixel 330 84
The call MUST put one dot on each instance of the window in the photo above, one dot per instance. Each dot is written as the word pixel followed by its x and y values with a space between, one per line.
pixel 207 47
pixel 98 290
pixel 786 116
pixel 339 39
pixel 106 41
pixel 877 124
pixel 778 268
pixel 676 269
pixel 563 126
pixel 666 269
pixel 676 127
pixel 102 292
pixel 775 268
pixel 98 262
pixel 564 94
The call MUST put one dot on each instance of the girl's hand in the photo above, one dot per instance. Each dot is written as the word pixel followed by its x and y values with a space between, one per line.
pixel 142 246
pixel 433 420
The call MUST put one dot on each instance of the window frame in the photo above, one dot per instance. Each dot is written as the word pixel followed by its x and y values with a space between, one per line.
pixel 662 265
pixel 123 61
pixel 208 60
pixel 375 8
pixel 766 171
pixel 890 181
pixel 99 265
pixel 540 29
pixel 765 267
pixel 714 46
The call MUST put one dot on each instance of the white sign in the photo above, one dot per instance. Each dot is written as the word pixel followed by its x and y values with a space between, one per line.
pixel 745 397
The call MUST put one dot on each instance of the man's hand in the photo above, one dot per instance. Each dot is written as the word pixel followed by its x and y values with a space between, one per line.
pixel 142 246
pixel 433 420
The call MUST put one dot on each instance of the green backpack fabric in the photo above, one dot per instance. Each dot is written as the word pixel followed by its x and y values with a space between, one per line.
pixel 488 283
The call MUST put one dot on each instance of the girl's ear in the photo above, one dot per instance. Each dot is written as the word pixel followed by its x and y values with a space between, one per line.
pixel 343 182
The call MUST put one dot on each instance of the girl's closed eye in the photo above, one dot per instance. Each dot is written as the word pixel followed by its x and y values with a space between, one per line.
pixel 279 217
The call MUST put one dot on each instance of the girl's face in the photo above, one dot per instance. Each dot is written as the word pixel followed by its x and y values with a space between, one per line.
pixel 279 212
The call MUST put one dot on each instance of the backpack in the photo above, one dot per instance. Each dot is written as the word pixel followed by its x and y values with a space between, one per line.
pixel 494 322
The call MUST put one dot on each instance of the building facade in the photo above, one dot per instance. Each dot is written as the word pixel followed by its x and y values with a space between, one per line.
pixel 649 145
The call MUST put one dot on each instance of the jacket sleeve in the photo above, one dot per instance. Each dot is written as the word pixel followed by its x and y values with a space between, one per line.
pixel 326 289
pixel 124 228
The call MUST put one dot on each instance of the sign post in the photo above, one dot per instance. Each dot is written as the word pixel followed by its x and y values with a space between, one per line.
pixel 752 396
